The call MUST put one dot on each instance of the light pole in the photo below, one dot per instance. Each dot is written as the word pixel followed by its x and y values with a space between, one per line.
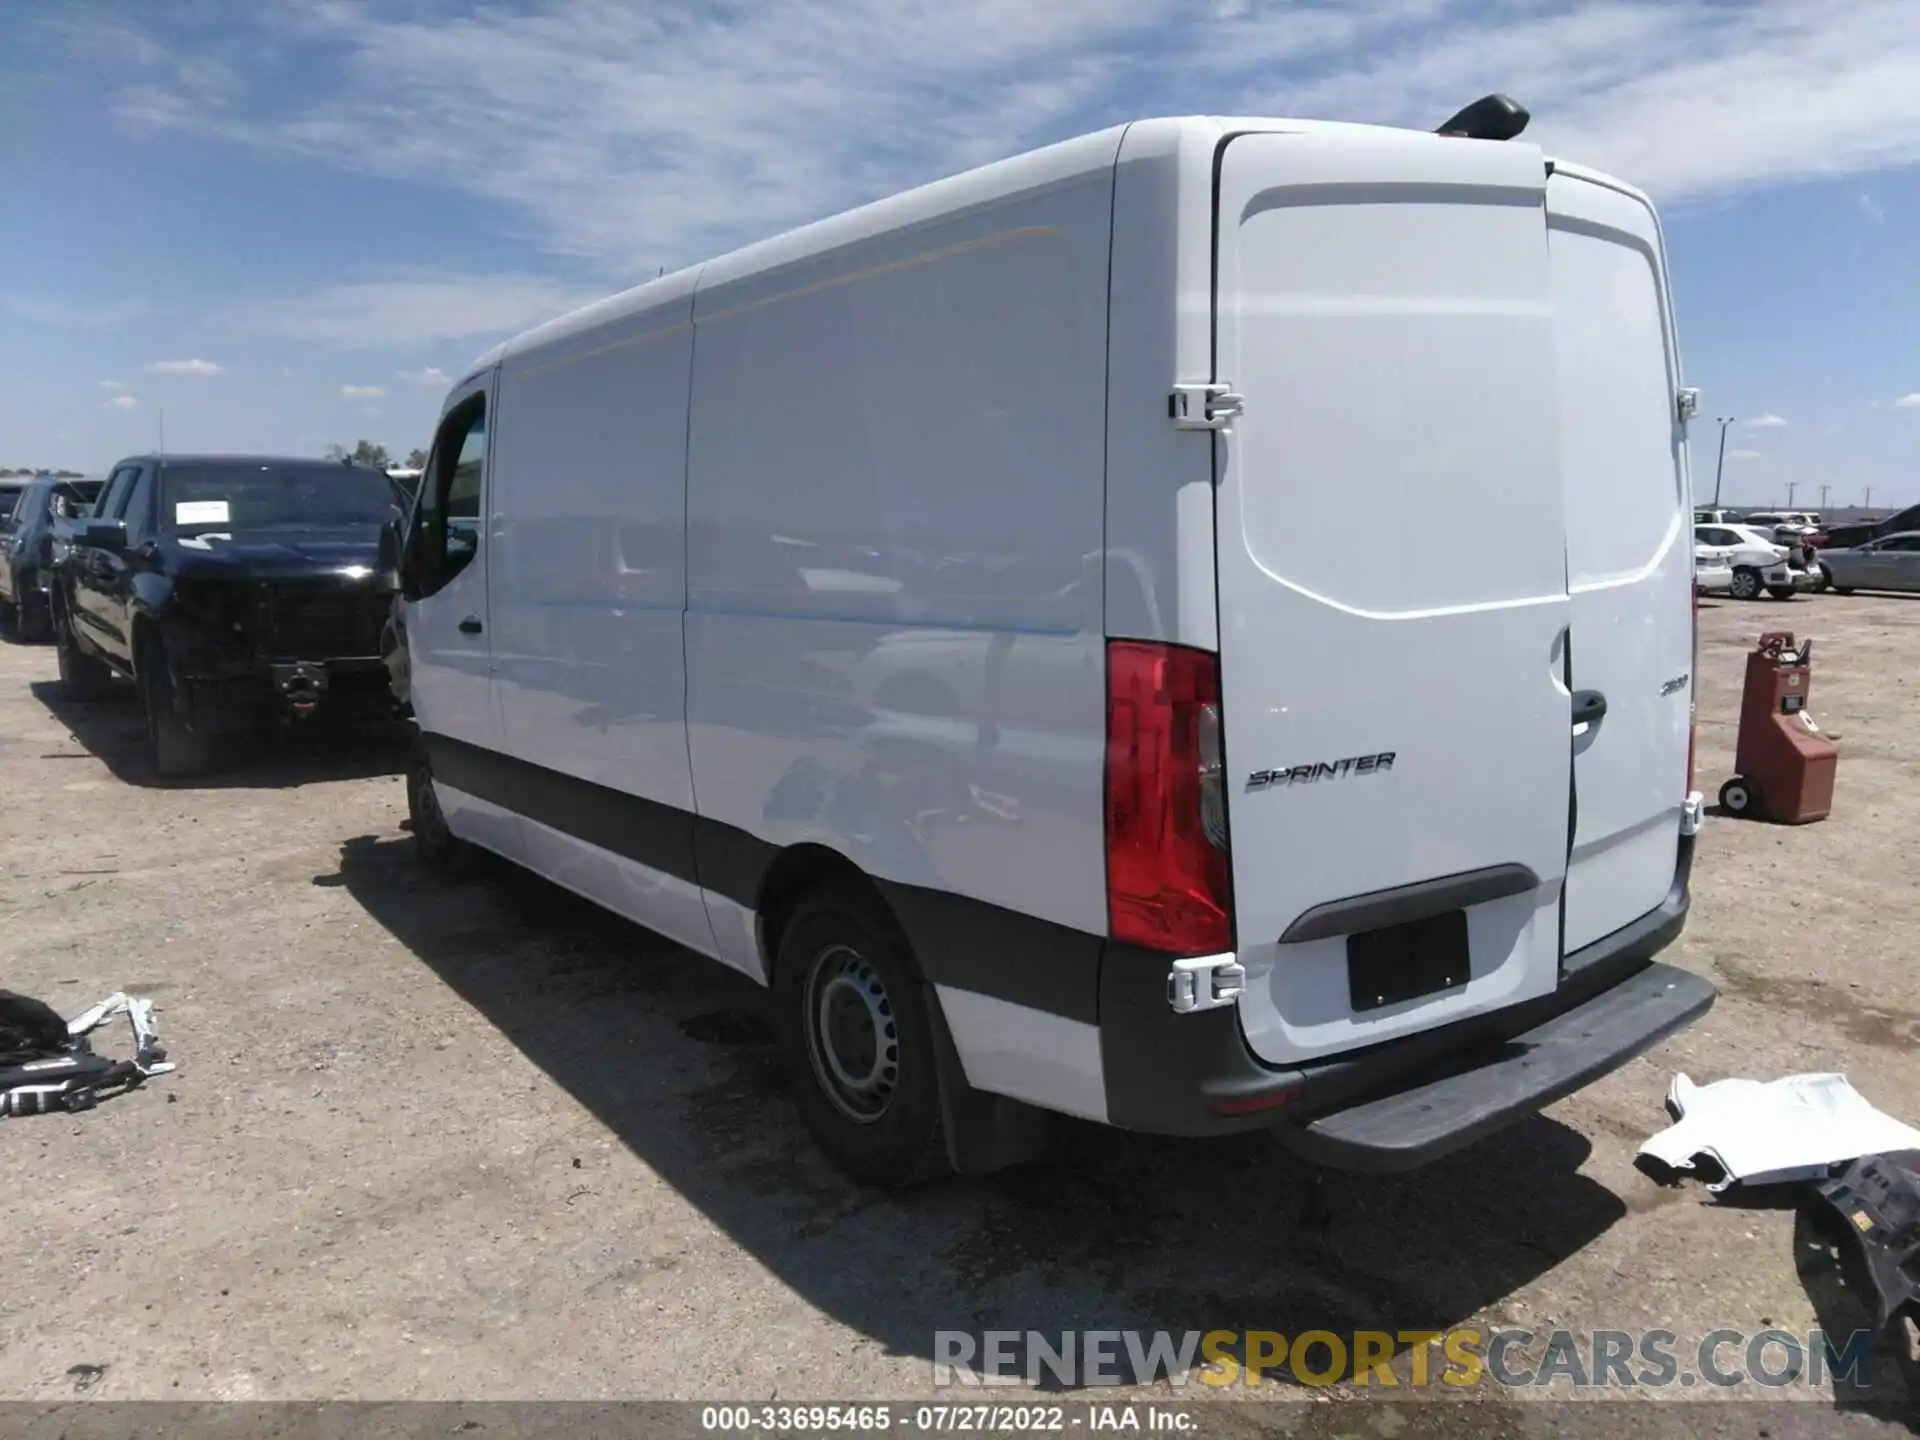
pixel 1792 485
pixel 1823 497
pixel 1721 465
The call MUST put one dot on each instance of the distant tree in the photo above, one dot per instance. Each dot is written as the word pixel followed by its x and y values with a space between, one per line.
pixel 364 452
pixel 416 459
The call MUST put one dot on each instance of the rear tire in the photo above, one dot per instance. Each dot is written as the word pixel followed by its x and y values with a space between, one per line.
pixel 852 1012
pixel 1781 592
pixel 1746 584
pixel 83 677
pixel 177 750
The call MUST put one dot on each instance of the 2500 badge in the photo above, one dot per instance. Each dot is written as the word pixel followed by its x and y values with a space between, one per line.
pixel 1321 770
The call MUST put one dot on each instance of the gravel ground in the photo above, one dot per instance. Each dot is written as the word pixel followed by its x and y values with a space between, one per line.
pixel 481 1141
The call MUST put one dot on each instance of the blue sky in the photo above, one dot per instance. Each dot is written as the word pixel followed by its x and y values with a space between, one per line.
pixel 286 224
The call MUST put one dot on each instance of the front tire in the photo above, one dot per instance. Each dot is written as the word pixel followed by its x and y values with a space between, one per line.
pixel 83 677
pixel 854 1026
pixel 33 619
pixel 176 749
pixel 1747 584
pixel 434 842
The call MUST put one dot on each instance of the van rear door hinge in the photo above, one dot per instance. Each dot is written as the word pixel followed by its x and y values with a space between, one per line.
pixel 1203 406
pixel 1687 403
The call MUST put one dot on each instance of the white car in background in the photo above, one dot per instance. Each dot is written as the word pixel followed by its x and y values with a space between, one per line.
pixel 1711 573
pixel 1755 562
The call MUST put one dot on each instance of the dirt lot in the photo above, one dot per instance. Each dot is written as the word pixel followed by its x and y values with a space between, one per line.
pixel 482 1141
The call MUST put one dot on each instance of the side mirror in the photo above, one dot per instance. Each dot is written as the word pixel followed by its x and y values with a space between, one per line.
pixel 102 534
pixel 389 559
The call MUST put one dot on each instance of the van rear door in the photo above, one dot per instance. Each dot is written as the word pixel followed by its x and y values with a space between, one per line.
pixel 1629 551
pixel 1391 535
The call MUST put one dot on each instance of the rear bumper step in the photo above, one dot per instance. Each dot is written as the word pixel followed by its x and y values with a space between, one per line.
pixel 1436 1115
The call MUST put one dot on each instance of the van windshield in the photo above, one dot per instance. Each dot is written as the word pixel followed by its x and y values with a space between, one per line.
pixel 196 499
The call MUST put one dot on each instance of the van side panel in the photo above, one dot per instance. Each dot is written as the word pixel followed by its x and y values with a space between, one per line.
pixel 894 628
pixel 589 581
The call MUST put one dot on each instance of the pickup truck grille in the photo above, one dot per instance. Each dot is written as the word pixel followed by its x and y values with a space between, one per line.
pixel 336 626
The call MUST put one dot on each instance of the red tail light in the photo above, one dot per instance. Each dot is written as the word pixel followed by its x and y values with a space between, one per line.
pixel 1167 874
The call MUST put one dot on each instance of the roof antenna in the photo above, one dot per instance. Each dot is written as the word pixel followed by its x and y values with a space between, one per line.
pixel 1492 117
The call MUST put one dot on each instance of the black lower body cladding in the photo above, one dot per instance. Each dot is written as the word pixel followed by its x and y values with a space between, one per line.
pixel 1168 1073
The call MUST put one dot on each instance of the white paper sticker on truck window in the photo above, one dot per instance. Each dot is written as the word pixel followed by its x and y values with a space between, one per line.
pixel 200 512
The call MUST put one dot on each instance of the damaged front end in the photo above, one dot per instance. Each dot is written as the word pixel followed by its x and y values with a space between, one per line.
pixel 286 649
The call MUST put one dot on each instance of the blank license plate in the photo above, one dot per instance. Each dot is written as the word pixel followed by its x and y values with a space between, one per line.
pixel 1405 962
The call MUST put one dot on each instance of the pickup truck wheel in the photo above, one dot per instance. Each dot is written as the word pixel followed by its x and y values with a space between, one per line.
pixel 1747 584
pixel 176 750
pixel 853 1023
pixel 433 839
pixel 82 676
pixel 32 620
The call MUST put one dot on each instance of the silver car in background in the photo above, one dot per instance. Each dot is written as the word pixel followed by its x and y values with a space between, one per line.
pixel 1890 563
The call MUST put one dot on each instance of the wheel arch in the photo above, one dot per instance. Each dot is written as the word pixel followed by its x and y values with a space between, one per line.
pixel 796 872
pixel 144 630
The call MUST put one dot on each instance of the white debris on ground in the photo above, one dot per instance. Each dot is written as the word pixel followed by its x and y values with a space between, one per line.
pixel 1771 1132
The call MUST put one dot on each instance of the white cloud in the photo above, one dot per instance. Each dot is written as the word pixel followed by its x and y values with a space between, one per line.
pixel 414 311
pixel 1767 422
pixel 122 402
pixel 362 392
pixel 1744 454
pixel 657 135
pixel 111 385
pixel 427 375
pixel 183 367
pixel 1909 402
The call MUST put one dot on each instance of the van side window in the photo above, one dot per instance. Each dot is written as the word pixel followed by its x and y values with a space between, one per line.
pixel 445 534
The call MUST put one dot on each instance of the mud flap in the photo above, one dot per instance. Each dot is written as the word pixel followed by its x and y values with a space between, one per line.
pixel 984 1132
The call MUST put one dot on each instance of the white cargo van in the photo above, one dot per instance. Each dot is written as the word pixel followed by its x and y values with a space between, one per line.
pixel 1189 628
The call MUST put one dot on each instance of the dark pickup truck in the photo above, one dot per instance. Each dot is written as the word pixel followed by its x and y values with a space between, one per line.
pixel 232 590
pixel 32 533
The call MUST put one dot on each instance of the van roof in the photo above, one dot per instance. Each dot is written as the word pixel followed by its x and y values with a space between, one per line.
pixel 1052 164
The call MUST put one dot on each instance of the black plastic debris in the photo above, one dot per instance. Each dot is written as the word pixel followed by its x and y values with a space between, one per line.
pixel 1877 1201
pixel 48 1064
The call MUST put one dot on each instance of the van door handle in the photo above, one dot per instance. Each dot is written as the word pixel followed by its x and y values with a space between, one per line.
pixel 472 626
pixel 1588 706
